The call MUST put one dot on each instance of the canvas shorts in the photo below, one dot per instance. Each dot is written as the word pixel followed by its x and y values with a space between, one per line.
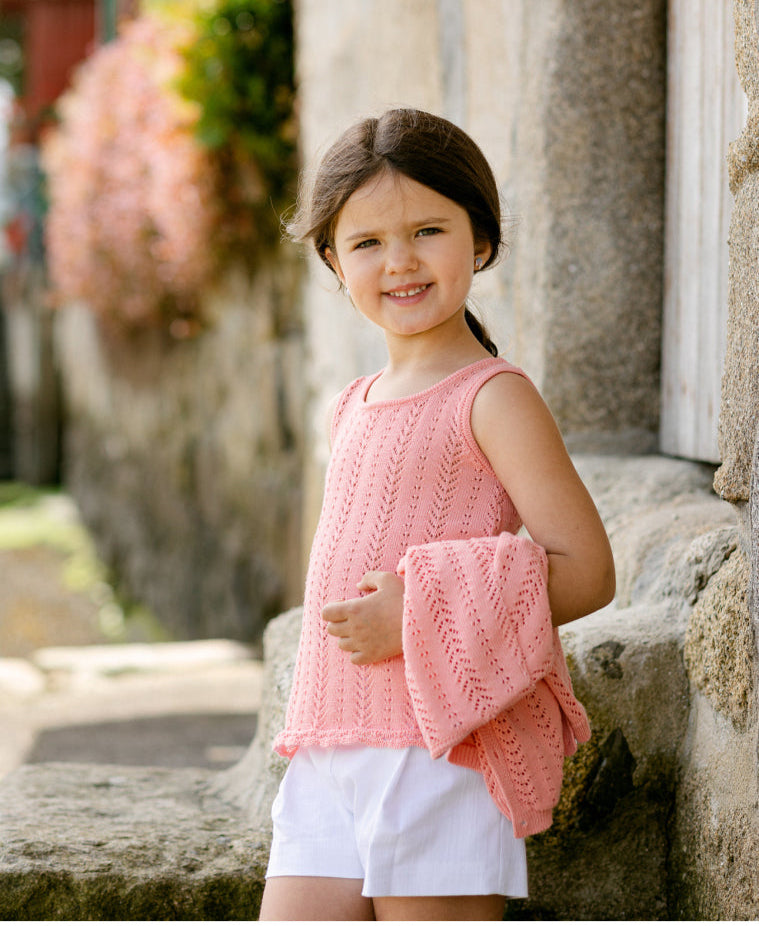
pixel 406 824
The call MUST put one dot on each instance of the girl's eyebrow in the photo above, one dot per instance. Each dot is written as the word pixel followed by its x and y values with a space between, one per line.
pixel 422 223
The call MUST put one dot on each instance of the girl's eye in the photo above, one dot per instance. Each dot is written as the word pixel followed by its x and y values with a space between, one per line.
pixel 423 232
pixel 369 242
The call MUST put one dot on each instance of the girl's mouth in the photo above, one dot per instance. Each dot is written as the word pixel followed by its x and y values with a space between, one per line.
pixel 407 293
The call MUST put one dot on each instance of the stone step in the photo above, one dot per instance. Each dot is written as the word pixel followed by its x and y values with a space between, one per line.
pixel 83 842
pixel 105 842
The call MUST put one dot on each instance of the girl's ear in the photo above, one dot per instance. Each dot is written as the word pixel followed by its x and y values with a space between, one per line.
pixel 482 253
pixel 334 264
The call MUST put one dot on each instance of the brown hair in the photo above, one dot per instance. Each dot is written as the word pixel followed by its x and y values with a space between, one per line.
pixel 419 145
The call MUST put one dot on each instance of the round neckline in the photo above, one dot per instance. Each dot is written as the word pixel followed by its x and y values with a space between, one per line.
pixel 382 403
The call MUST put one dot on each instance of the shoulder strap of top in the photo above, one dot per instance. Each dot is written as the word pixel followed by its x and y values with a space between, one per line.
pixel 356 388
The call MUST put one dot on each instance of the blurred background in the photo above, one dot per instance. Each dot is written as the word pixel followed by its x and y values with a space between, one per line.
pixel 146 152
pixel 149 375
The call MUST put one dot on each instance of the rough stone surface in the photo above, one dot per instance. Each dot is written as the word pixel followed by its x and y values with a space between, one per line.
pixel 754 538
pixel 614 872
pixel 185 459
pixel 603 243
pixel 252 783
pixel 719 645
pixel 627 668
pixel 672 551
pixel 669 531
pixel 715 831
pixel 740 381
pixel 624 485
pixel 605 857
pixel 82 842
pixel 117 842
pixel 746 46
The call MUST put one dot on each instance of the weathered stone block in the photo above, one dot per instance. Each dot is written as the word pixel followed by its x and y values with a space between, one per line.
pixel 107 842
pixel 185 459
pixel 669 531
pixel 252 783
pixel 740 380
pixel 85 842
pixel 719 644
pixel 715 831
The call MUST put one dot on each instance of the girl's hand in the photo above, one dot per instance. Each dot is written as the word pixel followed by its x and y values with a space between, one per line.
pixel 370 628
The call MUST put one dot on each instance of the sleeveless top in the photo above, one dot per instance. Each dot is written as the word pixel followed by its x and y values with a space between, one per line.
pixel 403 472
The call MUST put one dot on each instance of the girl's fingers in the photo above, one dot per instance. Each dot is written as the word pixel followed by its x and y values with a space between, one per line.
pixel 369 583
pixel 334 613
pixel 337 629
pixel 373 581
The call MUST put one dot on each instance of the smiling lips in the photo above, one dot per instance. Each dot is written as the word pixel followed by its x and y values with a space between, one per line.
pixel 406 293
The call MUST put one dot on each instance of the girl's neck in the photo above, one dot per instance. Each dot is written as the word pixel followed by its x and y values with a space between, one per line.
pixel 415 364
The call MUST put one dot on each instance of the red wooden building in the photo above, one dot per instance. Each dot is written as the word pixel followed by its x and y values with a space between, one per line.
pixel 53 37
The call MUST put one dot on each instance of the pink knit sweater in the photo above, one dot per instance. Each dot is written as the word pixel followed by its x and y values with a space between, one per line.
pixel 408 489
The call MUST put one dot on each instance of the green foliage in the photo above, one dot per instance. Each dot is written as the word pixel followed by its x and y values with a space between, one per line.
pixel 240 73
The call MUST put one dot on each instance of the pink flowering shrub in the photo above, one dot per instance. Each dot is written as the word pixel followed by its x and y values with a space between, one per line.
pixel 134 202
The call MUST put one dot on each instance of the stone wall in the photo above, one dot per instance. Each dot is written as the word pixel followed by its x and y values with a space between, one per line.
pixel 740 384
pixel 715 832
pixel 185 458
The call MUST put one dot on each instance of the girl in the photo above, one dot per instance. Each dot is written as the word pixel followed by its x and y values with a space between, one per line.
pixel 431 708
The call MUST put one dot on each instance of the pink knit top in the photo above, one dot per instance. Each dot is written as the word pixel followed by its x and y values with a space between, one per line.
pixel 405 479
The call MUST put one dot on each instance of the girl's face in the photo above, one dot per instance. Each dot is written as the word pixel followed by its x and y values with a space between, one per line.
pixel 406 254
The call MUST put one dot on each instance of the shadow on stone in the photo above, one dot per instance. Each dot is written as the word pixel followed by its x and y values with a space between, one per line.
pixel 610 781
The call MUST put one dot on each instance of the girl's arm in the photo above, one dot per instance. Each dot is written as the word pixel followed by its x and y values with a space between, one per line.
pixel 517 433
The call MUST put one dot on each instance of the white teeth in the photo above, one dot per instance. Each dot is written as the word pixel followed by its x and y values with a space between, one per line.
pixel 410 292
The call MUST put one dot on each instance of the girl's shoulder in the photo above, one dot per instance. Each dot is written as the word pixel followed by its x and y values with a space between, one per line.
pixel 493 383
pixel 517 433
pixel 506 399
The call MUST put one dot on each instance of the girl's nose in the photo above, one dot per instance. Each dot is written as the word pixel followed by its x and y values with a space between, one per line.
pixel 400 257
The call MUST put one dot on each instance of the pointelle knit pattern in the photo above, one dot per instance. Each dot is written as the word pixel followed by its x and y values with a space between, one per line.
pixel 486 672
pixel 407 475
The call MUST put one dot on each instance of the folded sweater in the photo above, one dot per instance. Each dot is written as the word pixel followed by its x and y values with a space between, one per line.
pixel 486 672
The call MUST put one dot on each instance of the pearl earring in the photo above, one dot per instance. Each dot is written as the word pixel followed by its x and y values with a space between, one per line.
pixel 477 263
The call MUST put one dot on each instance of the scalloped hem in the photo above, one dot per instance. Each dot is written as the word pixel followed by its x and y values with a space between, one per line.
pixel 290 741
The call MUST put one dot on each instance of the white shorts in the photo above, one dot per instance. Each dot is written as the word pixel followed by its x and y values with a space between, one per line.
pixel 408 825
